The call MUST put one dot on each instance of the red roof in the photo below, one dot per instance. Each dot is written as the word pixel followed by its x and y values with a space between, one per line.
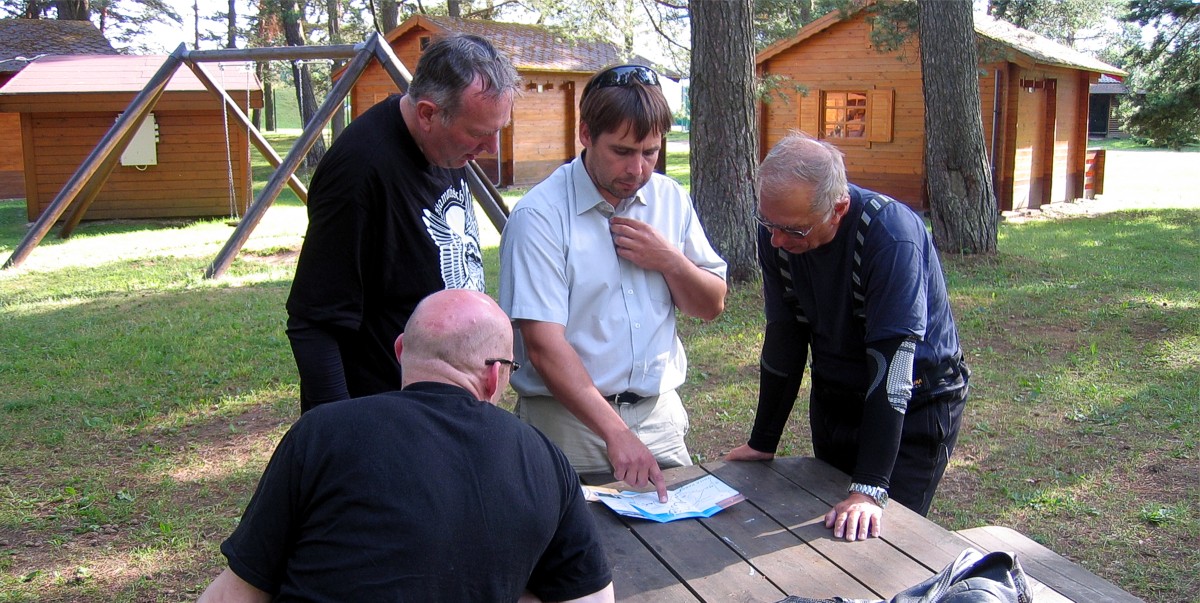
pixel 121 73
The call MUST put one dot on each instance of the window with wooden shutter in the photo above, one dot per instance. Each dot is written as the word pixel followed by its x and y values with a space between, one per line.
pixel 844 115
pixel 880 109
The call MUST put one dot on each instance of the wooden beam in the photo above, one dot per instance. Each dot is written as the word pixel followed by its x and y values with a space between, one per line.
pixel 488 196
pixel 255 212
pixel 256 137
pixel 274 53
pixel 113 143
pixel 392 65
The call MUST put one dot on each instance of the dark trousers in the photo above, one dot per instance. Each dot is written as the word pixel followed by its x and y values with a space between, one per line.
pixel 926 442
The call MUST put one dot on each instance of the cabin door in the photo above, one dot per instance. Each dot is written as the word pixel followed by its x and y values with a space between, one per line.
pixel 1033 166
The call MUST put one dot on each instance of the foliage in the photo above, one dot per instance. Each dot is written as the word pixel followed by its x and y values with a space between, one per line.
pixel 1060 20
pixel 622 21
pixel 1166 110
pixel 776 20
pixel 892 23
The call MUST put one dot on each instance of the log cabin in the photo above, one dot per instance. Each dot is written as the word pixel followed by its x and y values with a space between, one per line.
pixel 831 81
pixel 189 159
pixel 21 41
pixel 543 132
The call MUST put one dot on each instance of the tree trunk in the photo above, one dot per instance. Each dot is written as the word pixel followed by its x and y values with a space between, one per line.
pixel 724 125
pixel 231 26
pixel 293 32
pixel 338 123
pixel 962 204
pixel 389 14
pixel 73 10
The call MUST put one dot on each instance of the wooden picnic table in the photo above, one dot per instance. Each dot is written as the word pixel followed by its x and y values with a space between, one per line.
pixel 775 544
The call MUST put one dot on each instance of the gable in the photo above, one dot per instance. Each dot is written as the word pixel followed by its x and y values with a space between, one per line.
pixel 1018 45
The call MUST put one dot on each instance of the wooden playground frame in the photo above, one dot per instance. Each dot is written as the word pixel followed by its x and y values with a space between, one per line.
pixel 82 187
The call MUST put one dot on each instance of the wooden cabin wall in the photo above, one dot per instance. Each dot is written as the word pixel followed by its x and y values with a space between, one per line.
pixel 12 165
pixel 544 126
pixel 190 180
pixel 841 59
pixel 541 137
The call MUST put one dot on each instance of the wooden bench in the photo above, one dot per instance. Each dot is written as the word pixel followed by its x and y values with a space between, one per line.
pixel 1046 566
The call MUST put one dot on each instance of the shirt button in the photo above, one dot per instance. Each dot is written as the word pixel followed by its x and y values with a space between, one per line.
pixel 637 325
pixel 630 292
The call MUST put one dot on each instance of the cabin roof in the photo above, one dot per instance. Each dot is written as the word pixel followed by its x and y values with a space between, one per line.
pixel 1033 47
pixel 121 73
pixel 23 40
pixel 530 47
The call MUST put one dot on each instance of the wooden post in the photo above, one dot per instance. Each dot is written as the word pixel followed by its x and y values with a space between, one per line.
pixel 255 212
pixel 113 144
pixel 260 143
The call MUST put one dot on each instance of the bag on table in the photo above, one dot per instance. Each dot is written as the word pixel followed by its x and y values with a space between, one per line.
pixel 972 578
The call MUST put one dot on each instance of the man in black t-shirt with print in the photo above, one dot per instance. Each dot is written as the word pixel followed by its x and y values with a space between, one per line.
pixel 428 494
pixel 391 219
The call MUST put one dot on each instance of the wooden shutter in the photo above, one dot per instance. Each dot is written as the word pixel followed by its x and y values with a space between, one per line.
pixel 879 112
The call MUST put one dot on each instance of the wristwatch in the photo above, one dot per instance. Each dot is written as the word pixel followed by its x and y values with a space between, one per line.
pixel 879 494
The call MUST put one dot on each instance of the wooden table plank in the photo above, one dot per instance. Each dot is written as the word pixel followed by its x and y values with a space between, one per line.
pixel 923 540
pixel 786 560
pixel 880 567
pixel 1047 566
pixel 706 563
pixel 638 576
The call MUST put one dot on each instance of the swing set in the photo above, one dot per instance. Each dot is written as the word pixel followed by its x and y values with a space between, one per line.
pixel 83 186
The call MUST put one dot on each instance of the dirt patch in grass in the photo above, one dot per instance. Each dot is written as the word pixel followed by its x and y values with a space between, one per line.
pixel 63 559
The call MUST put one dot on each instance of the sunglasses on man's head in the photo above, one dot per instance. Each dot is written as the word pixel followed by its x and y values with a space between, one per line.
pixel 622 75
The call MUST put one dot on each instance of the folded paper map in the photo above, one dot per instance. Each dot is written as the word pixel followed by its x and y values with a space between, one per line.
pixel 701 498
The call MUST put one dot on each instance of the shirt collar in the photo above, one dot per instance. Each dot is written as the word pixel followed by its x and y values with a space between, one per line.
pixel 586 196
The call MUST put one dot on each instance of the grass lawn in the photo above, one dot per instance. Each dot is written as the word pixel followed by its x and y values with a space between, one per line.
pixel 141 402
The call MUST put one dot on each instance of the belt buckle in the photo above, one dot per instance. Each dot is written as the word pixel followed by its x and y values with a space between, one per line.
pixel 624 398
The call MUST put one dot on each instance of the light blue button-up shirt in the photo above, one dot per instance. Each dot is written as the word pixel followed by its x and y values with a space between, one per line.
pixel 558 264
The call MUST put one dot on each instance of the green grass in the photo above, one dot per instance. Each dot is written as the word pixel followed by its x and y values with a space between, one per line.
pixel 1132 144
pixel 141 401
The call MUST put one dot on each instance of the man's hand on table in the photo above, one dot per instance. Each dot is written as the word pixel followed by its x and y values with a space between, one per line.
pixel 746 453
pixel 634 464
pixel 856 518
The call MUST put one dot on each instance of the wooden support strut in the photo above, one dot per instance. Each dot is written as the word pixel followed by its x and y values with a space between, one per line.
pixel 99 162
pixel 260 143
pixel 312 130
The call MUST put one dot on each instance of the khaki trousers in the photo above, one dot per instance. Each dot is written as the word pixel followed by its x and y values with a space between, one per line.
pixel 660 422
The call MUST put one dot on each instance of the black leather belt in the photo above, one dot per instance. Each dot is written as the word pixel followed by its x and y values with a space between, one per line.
pixel 625 398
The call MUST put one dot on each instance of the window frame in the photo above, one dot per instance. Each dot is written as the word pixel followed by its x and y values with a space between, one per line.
pixel 859 107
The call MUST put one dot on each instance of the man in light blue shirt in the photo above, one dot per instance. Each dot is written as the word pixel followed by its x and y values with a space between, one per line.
pixel 594 262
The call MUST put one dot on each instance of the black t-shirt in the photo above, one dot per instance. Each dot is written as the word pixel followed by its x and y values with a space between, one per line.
pixel 385 230
pixel 422 495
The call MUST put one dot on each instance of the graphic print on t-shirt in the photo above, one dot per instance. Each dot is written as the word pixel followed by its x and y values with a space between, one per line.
pixel 452 226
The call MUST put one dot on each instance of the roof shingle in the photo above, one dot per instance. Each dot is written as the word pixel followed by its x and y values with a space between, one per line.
pixel 533 47
pixel 22 40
